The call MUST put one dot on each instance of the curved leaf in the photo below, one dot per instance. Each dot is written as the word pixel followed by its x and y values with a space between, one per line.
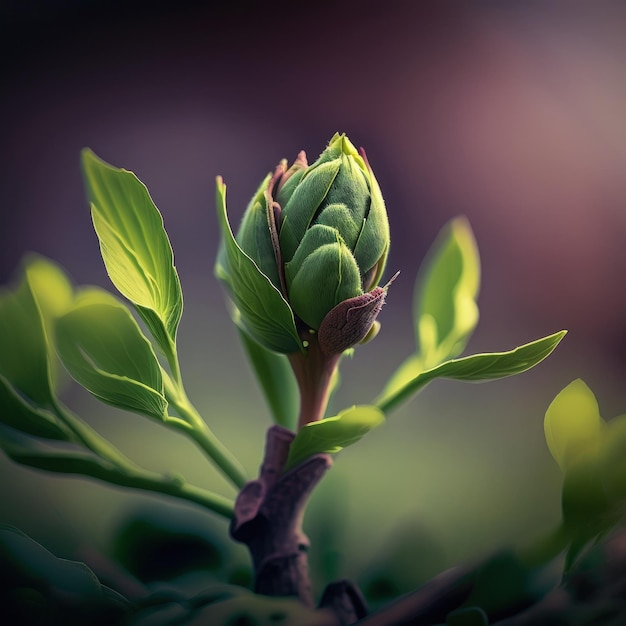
pixel 444 304
pixel 135 247
pixel 24 352
pixel 54 456
pixel 332 434
pixel 104 350
pixel 53 292
pixel 572 423
pixel 265 314
pixel 17 413
pixel 477 367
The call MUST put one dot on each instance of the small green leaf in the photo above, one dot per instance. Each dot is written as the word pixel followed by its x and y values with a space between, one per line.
pixel 444 305
pixel 135 247
pixel 17 413
pixel 572 422
pixel 265 314
pixel 332 434
pixel 104 350
pixel 24 352
pixel 50 285
pixel 477 367
pixel 276 379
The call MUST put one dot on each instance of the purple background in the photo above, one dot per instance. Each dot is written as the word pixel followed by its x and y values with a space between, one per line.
pixel 509 113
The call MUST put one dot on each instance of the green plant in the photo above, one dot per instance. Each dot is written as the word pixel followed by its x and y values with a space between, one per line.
pixel 302 277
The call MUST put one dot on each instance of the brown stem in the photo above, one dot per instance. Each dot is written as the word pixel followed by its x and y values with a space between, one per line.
pixel 268 519
pixel 314 371
pixel 428 605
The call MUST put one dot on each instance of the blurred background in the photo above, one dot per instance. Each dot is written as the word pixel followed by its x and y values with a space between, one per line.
pixel 512 114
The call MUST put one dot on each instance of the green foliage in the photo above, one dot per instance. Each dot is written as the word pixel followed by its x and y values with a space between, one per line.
pixel 591 454
pixel 572 423
pixel 262 310
pixel 476 368
pixel 39 588
pixel 332 434
pixel 445 314
pixel 104 350
pixel 135 248
pixel 332 239
pixel 18 413
pixel 444 309
pixel 24 359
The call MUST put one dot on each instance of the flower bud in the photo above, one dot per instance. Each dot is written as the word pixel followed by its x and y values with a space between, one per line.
pixel 320 234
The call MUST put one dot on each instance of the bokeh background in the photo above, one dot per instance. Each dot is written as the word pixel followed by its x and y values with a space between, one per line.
pixel 510 113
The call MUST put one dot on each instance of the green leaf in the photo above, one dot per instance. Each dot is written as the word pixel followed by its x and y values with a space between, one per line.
pixel 276 379
pixel 24 353
pixel 444 304
pixel 54 294
pixel 135 247
pixel 64 590
pixel 588 511
pixel 53 457
pixel 50 286
pixel 332 434
pixel 17 413
pixel 104 350
pixel 572 423
pixel 265 314
pixel 477 367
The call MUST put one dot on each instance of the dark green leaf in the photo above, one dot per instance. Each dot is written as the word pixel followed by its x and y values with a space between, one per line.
pixel 104 350
pixel 18 413
pixel 332 434
pixel 477 367
pixel 265 314
pixel 66 592
pixel 53 456
pixel 135 247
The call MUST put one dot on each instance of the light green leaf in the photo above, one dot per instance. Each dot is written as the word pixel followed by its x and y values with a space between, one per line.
pixel 17 413
pixel 276 379
pixel 50 286
pixel 332 434
pixel 444 306
pixel 265 314
pixel 104 350
pixel 572 423
pixel 135 247
pixel 24 351
pixel 53 293
pixel 477 367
